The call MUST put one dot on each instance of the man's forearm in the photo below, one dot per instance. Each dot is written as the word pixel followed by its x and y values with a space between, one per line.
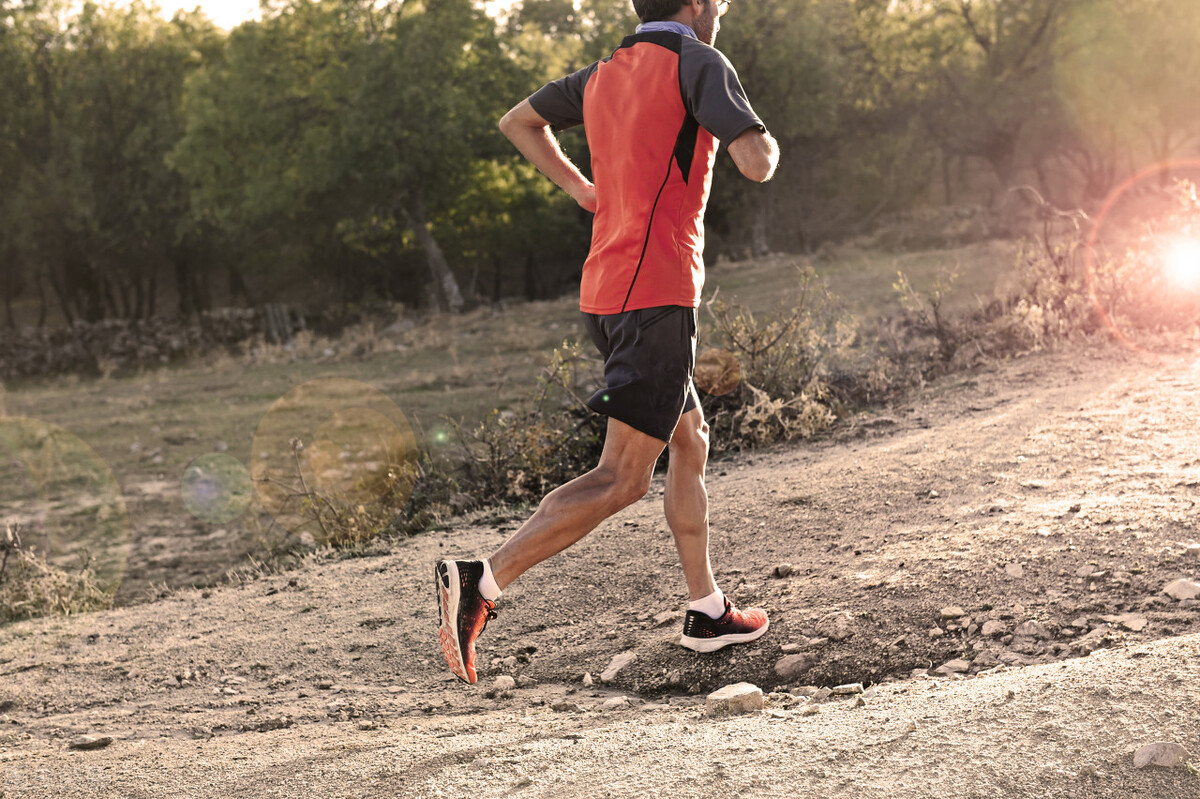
pixel 532 137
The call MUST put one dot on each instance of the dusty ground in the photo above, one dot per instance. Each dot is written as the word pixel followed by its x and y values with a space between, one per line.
pixel 1081 468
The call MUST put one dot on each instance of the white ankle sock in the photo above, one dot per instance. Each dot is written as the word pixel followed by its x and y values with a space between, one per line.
pixel 712 605
pixel 487 584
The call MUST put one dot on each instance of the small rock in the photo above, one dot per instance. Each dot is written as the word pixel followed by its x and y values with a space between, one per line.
pixel 1192 551
pixel 836 626
pixel 588 682
pixel 740 697
pixel 1084 571
pixel 936 632
pixel 809 710
pixel 817 643
pixel 791 667
pixel 615 702
pixel 1015 570
pixel 783 570
pixel 791 649
pixel 323 685
pixel 993 628
pixel 956 666
pixel 504 683
pixel 1031 629
pixel 525 681
pixel 201 733
pixel 952 612
pixel 563 706
pixel 616 664
pixel 1132 621
pixel 1161 753
pixel 89 742
pixel 1182 589
pixel 367 724
pixel 848 689
pixel 822 694
pixel 666 617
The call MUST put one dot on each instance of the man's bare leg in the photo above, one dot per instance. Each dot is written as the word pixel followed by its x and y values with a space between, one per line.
pixel 686 501
pixel 574 509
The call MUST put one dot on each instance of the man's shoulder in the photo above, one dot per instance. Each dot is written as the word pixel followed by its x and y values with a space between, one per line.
pixel 701 53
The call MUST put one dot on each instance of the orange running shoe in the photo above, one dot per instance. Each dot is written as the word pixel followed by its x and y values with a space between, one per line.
pixel 463 613
pixel 704 634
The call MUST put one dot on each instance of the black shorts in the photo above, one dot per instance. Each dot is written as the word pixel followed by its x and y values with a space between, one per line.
pixel 649 355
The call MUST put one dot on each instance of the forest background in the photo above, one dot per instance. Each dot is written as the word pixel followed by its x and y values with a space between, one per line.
pixel 348 150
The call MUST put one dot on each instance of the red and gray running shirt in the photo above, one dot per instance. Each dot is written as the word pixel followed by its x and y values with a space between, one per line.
pixel 654 113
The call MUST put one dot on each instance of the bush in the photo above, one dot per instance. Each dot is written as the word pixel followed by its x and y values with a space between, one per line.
pixel 31 587
pixel 785 359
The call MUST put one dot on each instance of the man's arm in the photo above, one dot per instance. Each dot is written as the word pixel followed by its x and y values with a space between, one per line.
pixel 531 134
pixel 756 154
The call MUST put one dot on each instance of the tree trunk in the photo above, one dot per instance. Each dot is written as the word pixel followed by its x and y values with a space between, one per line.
pixel 445 287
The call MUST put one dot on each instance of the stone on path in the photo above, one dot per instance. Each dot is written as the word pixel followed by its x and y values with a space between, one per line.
pixel 1130 621
pixel 740 697
pixel 616 664
pixel 848 689
pixel 1031 629
pixel 664 618
pixel 993 628
pixel 836 626
pixel 615 702
pixel 504 683
pixel 1192 551
pixel 1015 570
pixel 956 666
pixel 588 682
pixel 1160 753
pixel 791 667
pixel 783 570
pixel 87 742
pixel 953 612
pixel 1182 589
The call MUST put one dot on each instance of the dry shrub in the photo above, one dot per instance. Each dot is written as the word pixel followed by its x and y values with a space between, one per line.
pixel 31 587
pixel 519 455
pixel 786 360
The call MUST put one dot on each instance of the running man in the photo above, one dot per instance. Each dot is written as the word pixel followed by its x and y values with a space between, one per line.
pixel 654 113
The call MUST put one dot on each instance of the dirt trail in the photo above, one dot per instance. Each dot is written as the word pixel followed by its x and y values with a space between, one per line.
pixel 1051 499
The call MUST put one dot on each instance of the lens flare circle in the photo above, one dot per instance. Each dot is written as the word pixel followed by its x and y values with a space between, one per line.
pixel 1093 238
pixel 216 488
pixel 65 498
pixel 333 444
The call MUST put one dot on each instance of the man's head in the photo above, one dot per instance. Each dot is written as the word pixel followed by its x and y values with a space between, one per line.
pixel 702 16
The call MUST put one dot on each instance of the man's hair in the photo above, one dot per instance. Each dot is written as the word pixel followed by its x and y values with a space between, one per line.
pixel 656 10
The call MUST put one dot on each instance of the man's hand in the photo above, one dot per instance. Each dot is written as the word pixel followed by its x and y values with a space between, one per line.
pixel 586 197
pixel 531 134
pixel 756 154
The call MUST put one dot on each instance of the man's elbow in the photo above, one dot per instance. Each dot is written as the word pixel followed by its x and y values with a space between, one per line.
pixel 756 155
pixel 760 170
pixel 507 122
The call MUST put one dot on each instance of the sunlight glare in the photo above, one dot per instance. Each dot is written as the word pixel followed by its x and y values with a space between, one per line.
pixel 1183 263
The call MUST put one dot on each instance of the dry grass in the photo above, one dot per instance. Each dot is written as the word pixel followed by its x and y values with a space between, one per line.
pixel 31 587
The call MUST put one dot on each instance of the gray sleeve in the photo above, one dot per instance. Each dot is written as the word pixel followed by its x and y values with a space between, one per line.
pixel 560 102
pixel 714 95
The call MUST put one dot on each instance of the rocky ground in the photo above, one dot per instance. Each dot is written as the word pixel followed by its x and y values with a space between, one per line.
pixel 991 591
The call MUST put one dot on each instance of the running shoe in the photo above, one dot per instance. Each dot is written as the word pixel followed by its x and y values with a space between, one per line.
pixel 462 612
pixel 702 633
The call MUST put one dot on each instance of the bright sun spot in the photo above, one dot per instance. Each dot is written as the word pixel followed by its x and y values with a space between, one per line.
pixel 1183 263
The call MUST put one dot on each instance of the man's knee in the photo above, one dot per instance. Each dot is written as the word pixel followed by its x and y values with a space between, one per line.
pixel 690 441
pixel 623 488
